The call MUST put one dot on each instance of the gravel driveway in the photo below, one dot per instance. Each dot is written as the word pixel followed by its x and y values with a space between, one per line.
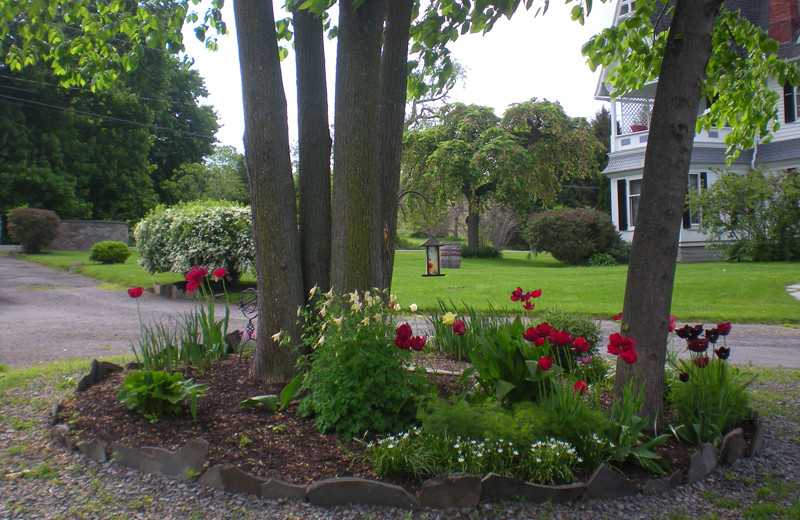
pixel 47 315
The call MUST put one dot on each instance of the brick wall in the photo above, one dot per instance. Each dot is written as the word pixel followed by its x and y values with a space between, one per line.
pixel 784 20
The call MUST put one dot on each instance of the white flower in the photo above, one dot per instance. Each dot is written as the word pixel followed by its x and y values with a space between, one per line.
pixel 338 320
pixel 365 321
pixel 329 294
pixel 356 306
pixel 354 296
pixel 461 460
pixel 321 340
pixel 277 336
pixel 413 307
pixel 397 307
pixel 299 310
pixel 313 291
pixel 323 311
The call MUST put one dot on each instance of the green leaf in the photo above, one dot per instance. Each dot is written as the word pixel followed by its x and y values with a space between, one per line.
pixel 269 401
pixel 291 391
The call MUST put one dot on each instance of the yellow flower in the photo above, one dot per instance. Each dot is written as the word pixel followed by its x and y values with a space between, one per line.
pixel 365 321
pixel 338 320
pixel 413 307
pixel 321 340
pixel 277 336
pixel 449 318
pixel 313 290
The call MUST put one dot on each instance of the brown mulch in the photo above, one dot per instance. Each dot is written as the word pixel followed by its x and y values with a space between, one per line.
pixel 280 444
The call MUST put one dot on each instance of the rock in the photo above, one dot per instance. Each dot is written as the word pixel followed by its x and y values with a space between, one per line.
pixel 607 483
pixel 456 490
pixel 498 487
pixel 212 477
pixel 275 489
pixel 132 458
pixel 60 435
pixel 160 290
pixel 237 481
pixel 98 371
pixel 346 490
pixel 733 447
pixel 94 449
pixel 758 436
pixel 662 485
pixel 182 464
pixel 702 462
pixel 175 291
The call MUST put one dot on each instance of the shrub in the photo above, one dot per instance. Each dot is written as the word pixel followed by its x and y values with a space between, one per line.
pixel 109 252
pixel 215 234
pixel 33 228
pixel 480 252
pixel 571 235
pixel 601 259
pixel 157 393
pixel 358 381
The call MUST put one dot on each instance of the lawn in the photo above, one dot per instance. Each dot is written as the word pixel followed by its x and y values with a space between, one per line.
pixel 707 292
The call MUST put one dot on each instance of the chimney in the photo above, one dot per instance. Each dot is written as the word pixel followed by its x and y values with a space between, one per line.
pixel 784 20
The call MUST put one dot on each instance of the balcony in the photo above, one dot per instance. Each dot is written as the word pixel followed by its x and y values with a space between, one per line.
pixel 638 140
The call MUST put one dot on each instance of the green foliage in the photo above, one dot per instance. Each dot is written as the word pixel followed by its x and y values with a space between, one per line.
pixel 157 393
pixel 571 235
pixel 711 401
pixel 357 380
pixel 270 402
pixel 109 252
pixel 601 259
pixel 207 233
pixel 758 212
pixel 421 454
pixel 480 252
pixel 33 228
pixel 221 177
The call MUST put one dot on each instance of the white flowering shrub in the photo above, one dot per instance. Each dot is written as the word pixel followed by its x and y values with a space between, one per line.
pixel 211 234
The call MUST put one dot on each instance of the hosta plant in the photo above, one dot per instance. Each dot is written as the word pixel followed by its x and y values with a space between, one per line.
pixel 155 393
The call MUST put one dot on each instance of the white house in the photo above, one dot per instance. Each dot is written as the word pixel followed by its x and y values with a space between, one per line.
pixel 630 116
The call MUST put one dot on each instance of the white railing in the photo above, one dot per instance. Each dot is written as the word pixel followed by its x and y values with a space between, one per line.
pixel 638 140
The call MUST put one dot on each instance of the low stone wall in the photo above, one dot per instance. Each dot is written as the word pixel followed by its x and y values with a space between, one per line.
pixel 81 235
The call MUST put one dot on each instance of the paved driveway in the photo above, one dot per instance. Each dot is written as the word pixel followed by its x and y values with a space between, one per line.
pixel 47 315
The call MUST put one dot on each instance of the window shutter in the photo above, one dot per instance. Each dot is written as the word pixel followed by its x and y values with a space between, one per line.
pixel 687 217
pixel 789 111
pixel 703 181
pixel 622 204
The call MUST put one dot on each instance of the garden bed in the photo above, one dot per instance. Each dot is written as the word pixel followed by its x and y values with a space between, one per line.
pixel 281 445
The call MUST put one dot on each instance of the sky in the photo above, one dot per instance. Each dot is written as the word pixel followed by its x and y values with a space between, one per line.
pixel 522 58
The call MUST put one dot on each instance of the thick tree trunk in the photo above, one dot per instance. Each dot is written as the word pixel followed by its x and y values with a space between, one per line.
pixel 391 115
pixel 315 150
pixel 648 292
pixel 355 123
pixel 266 141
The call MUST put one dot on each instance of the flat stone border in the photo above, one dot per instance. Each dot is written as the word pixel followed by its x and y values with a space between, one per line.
pixel 452 491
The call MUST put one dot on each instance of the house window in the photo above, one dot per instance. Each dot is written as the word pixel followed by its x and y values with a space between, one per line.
pixel 635 189
pixel 626 7
pixel 791 103
pixel 697 183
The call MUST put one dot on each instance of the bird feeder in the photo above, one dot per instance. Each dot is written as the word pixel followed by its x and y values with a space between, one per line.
pixel 432 257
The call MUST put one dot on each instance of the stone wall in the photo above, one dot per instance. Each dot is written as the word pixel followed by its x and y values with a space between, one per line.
pixel 81 235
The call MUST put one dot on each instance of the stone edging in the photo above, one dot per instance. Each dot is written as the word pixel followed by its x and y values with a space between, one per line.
pixel 457 490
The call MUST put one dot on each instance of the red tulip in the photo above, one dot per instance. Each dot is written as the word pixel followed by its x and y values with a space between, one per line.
pixel 545 363
pixel 580 386
pixel 459 329
pixel 220 273
pixel 135 292
pixel 580 345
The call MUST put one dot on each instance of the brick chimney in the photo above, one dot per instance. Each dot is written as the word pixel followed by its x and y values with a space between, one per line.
pixel 784 20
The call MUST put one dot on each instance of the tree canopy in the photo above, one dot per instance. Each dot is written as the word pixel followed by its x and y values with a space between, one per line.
pixel 521 160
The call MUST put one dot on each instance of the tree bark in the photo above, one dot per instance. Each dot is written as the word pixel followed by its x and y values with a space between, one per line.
pixel 391 123
pixel 355 123
pixel 651 273
pixel 314 150
pixel 266 141
pixel 473 223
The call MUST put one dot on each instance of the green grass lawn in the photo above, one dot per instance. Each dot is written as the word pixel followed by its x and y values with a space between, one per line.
pixel 707 292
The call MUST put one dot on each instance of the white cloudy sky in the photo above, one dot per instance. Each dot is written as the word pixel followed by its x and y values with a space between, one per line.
pixel 519 59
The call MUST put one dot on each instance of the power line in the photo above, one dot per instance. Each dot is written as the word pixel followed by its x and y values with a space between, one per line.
pixel 57 108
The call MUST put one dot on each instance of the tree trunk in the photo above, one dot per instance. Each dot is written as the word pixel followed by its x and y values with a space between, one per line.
pixel 266 141
pixel 314 150
pixel 648 292
pixel 355 123
pixel 473 221
pixel 391 122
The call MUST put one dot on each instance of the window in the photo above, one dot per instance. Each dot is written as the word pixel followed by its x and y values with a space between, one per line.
pixel 626 7
pixel 635 187
pixel 697 183
pixel 791 103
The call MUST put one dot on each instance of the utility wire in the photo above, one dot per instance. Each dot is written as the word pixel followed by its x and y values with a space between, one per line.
pixel 57 108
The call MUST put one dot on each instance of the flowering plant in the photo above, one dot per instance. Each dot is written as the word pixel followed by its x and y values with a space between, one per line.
pixel 358 378
pixel 213 331
pixel 710 396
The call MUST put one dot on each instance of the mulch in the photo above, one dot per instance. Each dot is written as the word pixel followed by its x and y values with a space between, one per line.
pixel 279 444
